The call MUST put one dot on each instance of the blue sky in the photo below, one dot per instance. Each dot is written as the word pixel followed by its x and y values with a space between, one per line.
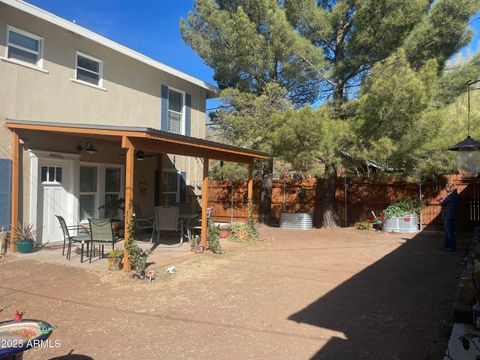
pixel 150 27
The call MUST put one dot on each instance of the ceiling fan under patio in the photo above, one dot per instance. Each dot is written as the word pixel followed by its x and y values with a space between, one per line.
pixel 140 155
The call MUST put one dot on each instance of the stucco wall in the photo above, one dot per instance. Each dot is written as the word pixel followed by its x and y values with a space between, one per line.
pixel 131 96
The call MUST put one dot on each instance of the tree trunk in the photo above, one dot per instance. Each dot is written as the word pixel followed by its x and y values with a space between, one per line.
pixel 338 92
pixel 266 195
pixel 330 216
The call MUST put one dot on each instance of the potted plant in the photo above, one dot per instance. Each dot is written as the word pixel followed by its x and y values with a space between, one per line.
pixel 225 231
pixel 112 207
pixel 402 216
pixel 194 243
pixel 25 235
pixel 115 259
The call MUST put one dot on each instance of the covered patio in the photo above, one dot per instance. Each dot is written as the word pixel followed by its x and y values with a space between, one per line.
pixel 51 138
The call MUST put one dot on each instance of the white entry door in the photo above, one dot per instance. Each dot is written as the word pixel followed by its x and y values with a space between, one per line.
pixel 53 199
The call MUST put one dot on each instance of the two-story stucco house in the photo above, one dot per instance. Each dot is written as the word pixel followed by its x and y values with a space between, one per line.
pixel 76 103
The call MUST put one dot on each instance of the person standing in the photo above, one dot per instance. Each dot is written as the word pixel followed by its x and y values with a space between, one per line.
pixel 449 213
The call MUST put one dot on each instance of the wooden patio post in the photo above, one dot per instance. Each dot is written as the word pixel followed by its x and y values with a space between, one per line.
pixel 250 182
pixel 15 178
pixel 129 181
pixel 203 239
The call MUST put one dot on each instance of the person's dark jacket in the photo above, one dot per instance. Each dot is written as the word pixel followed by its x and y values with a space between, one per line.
pixel 449 205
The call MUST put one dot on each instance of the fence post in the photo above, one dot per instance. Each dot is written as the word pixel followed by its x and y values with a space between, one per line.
pixel 346 202
pixel 421 210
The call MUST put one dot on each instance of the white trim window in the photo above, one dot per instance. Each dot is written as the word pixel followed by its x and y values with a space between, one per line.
pixel 24 47
pixel 113 190
pixel 88 69
pixel 88 192
pixel 51 175
pixel 171 192
pixel 176 111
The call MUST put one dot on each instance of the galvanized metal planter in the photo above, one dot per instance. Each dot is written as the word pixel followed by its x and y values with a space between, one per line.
pixel 401 224
pixel 300 221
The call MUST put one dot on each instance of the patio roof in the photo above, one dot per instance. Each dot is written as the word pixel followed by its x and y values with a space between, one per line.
pixel 133 139
pixel 147 139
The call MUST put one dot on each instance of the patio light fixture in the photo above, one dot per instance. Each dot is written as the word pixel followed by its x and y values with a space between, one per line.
pixel 468 154
pixel 140 155
pixel 89 149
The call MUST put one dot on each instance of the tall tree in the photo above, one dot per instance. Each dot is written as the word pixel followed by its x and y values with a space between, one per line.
pixel 329 49
pixel 357 34
pixel 249 44
pixel 254 51
pixel 312 141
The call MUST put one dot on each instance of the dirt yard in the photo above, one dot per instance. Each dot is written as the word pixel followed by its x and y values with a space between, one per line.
pixel 338 294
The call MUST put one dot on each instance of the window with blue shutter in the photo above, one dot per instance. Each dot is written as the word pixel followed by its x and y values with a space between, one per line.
pixel 164 109
pixel 5 192
pixel 188 114
pixel 176 111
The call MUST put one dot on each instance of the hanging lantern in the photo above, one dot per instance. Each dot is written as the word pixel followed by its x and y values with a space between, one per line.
pixel 468 157
pixel 468 154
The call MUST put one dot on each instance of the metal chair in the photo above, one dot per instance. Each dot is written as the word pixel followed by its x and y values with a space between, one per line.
pixel 198 223
pixel 101 232
pixel 166 219
pixel 142 222
pixel 67 238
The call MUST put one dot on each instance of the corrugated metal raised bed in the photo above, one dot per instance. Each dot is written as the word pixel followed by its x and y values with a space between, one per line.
pixel 401 224
pixel 300 221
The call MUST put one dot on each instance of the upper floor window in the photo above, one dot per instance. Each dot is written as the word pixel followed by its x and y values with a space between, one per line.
pixel 175 111
pixel 24 47
pixel 88 69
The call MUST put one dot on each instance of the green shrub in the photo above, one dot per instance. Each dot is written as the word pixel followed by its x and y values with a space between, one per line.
pixel 214 238
pixel 246 232
pixel 404 207
pixel 135 256
pixel 242 232
pixel 363 225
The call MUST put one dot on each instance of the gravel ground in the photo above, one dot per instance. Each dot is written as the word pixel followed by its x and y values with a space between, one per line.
pixel 322 294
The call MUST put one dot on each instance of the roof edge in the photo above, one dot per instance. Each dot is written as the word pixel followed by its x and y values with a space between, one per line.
pixel 212 90
pixel 140 129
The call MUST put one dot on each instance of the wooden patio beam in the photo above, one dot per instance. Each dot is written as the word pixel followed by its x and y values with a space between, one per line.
pixel 186 145
pixel 72 130
pixel 129 184
pixel 203 239
pixel 159 146
pixel 15 189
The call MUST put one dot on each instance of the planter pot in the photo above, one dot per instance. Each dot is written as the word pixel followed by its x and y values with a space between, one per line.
pixel 300 221
pixel 114 264
pixel 24 246
pixel 401 224
pixel 225 233
pixel 199 249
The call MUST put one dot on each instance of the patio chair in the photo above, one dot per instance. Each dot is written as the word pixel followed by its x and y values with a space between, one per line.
pixel 166 219
pixel 101 232
pixel 197 225
pixel 68 239
pixel 142 222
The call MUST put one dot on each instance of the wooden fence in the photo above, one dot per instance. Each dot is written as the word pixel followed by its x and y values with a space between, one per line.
pixel 355 199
